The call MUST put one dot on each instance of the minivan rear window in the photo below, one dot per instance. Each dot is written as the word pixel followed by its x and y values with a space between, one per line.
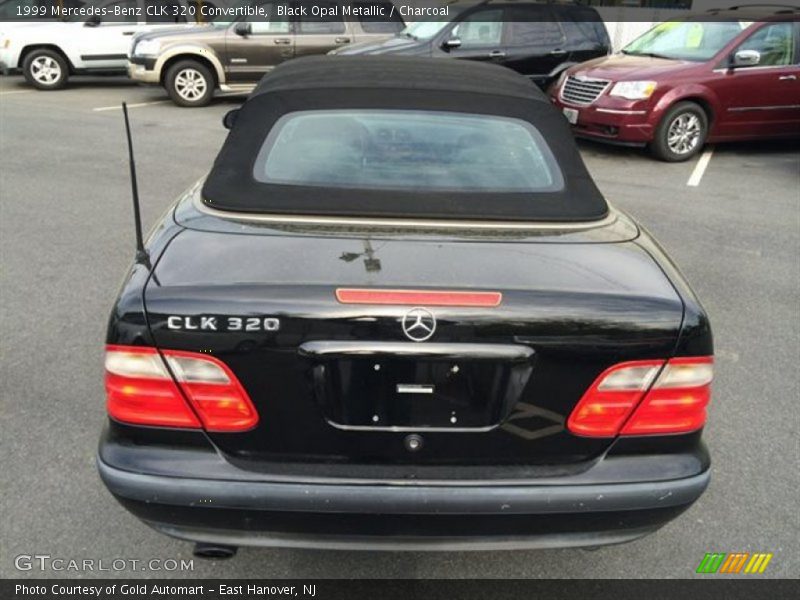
pixel 409 150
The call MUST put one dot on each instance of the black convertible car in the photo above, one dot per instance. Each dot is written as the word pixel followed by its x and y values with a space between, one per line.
pixel 399 314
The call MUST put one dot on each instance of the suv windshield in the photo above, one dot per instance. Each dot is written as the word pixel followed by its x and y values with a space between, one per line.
pixel 407 150
pixel 686 40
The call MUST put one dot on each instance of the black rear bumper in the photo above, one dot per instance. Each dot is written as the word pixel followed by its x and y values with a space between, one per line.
pixel 458 515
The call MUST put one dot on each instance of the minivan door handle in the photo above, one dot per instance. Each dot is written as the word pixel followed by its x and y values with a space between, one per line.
pixel 558 52
pixel 787 78
pixel 342 40
pixel 282 41
pixel 128 32
pixel 497 54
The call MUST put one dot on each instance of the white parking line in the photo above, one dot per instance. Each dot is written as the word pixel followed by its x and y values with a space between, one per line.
pixel 16 92
pixel 119 106
pixel 700 167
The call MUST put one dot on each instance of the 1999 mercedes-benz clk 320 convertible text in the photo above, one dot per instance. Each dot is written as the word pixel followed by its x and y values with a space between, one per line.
pixel 399 314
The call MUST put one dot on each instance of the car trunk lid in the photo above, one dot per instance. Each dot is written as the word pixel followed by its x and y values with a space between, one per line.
pixel 340 381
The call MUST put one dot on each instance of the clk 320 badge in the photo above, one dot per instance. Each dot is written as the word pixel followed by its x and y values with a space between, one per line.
pixel 222 323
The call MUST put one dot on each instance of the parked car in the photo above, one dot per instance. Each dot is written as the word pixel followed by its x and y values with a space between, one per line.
pixel 535 39
pixel 688 82
pixel 49 53
pixel 398 313
pixel 233 56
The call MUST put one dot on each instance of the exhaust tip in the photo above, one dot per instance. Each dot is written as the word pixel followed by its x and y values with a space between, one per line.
pixel 214 551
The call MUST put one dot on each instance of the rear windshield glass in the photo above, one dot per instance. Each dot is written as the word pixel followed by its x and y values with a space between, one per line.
pixel 407 150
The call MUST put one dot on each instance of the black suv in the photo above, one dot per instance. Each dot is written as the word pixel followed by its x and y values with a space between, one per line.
pixel 534 39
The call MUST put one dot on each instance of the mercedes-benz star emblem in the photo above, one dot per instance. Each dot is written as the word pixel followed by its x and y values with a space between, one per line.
pixel 419 324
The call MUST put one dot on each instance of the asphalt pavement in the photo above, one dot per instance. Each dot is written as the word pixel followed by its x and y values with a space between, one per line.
pixel 66 240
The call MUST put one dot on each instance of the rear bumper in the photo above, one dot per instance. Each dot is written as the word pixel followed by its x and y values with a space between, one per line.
pixel 479 515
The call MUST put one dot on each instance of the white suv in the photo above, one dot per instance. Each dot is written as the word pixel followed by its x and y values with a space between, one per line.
pixel 48 53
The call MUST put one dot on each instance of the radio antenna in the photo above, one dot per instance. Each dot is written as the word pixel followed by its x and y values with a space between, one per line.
pixel 141 253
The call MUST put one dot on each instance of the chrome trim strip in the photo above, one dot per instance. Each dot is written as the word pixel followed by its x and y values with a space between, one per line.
pixel 746 108
pixel 401 429
pixel 453 351
pixel 414 388
pixel 614 111
pixel 394 223
pixel 754 68
pixel 237 87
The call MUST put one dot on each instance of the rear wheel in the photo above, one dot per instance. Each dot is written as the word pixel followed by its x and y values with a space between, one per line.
pixel 190 83
pixel 45 69
pixel 681 133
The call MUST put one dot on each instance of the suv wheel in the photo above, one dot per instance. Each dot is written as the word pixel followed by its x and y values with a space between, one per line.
pixel 681 133
pixel 45 69
pixel 190 83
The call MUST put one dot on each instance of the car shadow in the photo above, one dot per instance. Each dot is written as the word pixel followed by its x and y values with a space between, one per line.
pixel 776 146
pixel 95 82
pixel 406 564
pixel 594 148
pixel 231 99
pixel 782 146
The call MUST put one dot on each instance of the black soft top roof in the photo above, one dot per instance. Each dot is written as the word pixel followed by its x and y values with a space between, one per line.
pixel 397 83
pixel 357 73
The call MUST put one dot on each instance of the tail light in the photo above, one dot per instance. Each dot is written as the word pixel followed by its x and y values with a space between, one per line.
pixel 646 397
pixel 189 390
pixel 677 401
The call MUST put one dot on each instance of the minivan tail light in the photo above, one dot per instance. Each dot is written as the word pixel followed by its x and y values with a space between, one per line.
pixel 645 398
pixel 191 390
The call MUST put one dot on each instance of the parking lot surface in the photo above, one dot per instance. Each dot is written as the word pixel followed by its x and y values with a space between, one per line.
pixel 66 239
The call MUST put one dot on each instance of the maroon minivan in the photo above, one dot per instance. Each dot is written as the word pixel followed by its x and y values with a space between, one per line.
pixel 691 81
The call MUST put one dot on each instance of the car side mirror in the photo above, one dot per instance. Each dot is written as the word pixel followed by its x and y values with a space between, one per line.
pixel 746 58
pixel 451 44
pixel 92 21
pixel 243 29
pixel 229 120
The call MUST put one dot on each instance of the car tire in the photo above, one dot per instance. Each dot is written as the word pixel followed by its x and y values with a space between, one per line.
pixel 45 69
pixel 681 133
pixel 190 83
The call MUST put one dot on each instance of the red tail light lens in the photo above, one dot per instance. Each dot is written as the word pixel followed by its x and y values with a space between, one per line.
pixel 618 402
pixel 607 404
pixel 678 400
pixel 141 390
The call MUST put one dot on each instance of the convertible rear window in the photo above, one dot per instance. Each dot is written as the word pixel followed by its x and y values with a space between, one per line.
pixel 407 150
